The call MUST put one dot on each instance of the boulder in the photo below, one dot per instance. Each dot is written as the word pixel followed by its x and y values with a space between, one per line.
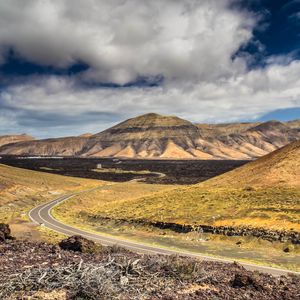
pixel 77 243
pixel 244 280
pixel 288 248
pixel 5 233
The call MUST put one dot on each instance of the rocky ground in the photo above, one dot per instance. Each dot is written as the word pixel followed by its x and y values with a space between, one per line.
pixel 79 269
pixel 176 171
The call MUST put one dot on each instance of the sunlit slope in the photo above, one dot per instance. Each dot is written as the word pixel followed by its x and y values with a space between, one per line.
pixel 84 205
pixel 261 193
pixel 20 187
pixel 281 167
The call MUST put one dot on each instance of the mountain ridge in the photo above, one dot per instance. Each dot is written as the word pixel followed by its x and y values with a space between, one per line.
pixel 167 137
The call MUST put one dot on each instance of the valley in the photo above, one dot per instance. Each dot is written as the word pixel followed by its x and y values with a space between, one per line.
pixel 149 150
pixel 261 209
pixel 84 212
pixel 172 201
pixel 187 205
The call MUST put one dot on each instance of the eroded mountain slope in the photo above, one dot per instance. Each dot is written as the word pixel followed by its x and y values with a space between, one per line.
pixel 163 137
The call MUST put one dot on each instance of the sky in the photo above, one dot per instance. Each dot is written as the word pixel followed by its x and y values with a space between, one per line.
pixel 73 66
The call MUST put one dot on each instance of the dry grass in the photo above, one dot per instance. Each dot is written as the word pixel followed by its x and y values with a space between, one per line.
pixel 22 189
pixel 273 208
pixel 279 168
pixel 111 195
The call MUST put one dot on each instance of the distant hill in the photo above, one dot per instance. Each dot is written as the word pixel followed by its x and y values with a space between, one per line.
pixel 247 140
pixel 156 136
pixel 8 139
pixel 67 146
pixel 264 193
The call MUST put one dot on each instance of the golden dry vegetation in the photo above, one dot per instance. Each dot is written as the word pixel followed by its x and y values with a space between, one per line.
pixel 275 208
pixel 111 195
pixel 22 189
pixel 264 193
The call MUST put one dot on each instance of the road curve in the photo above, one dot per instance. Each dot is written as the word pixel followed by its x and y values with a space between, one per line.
pixel 42 215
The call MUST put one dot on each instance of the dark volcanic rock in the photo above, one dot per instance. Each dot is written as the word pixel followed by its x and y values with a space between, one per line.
pixel 77 243
pixel 2 237
pixel 5 233
pixel 245 280
pixel 262 233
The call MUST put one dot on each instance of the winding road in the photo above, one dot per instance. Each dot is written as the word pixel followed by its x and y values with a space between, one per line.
pixel 42 215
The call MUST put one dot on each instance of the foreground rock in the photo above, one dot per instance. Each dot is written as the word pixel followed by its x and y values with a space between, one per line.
pixel 31 269
pixel 246 280
pixel 77 243
pixel 5 233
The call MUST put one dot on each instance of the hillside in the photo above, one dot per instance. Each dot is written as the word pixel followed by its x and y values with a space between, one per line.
pixel 263 193
pixel 279 168
pixel 248 140
pixel 8 139
pixel 168 137
pixel 21 189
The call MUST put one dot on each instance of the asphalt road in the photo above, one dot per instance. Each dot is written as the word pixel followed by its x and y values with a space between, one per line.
pixel 42 215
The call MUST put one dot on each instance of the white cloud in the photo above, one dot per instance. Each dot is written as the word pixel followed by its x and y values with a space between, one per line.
pixel 252 94
pixel 124 39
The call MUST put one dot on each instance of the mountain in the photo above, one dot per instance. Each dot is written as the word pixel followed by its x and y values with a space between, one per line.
pixel 146 136
pixel 247 140
pixel 261 194
pixel 16 182
pixel 294 124
pixel 8 139
pixel 156 136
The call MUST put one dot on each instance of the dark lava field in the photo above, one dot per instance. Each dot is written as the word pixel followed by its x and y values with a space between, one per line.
pixel 114 169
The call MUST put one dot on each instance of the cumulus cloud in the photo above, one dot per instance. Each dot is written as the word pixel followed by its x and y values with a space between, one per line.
pixel 65 105
pixel 123 39
pixel 191 44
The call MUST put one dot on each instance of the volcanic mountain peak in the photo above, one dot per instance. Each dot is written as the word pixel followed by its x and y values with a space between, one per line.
pixel 149 135
pixel 152 120
pixel 294 124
